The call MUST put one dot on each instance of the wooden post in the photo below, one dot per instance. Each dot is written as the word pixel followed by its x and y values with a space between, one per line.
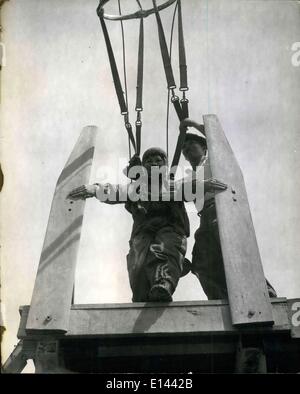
pixel 16 362
pixel 48 358
pixel 250 360
pixel 52 294
pixel 247 291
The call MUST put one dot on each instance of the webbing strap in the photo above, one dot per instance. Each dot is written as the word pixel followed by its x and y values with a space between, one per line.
pixel 140 69
pixel 117 82
pixel 138 130
pixel 139 87
pixel 177 106
pixel 167 63
pixel 185 107
pixel 164 50
pixel 182 107
pixel 175 161
pixel 130 134
pixel 114 69
pixel 181 51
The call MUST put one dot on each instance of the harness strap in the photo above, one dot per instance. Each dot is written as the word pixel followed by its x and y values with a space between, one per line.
pixel 185 106
pixel 117 82
pixel 181 51
pixel 182 64
pixel 114 69
pixel 182 107
pixel 130 133
pixel 140 69
pixel 138 132
pixel 176 157
pixel 164 50
pixel 167 63
pixel 139 88
pixel 177 106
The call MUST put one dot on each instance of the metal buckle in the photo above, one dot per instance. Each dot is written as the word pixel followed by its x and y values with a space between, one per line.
pixel 174 98
pixel 184 100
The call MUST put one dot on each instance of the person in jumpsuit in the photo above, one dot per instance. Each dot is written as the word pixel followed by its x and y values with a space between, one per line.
pixel 207 260
pixel 159 234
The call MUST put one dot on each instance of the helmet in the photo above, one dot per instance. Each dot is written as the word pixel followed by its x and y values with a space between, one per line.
pixel 154 151
pixel 197 138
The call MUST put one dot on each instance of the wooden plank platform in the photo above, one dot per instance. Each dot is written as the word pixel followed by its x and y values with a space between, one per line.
pixel 53 289
pixel 179 337
pixel 247 291
pixel 159 319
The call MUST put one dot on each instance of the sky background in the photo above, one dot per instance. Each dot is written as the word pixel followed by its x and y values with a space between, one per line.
pixel 57 80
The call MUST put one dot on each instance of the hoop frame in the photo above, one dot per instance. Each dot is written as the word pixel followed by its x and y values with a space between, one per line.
pixel 136 15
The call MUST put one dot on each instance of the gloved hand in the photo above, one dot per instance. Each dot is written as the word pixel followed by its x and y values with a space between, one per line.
pixel 134 161
pixel 212 185
pixel 185 123
pixel 82 192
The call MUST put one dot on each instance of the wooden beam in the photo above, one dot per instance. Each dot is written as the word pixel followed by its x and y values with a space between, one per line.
pixel 16 362
pixel 52 294
pixel 158 319
pixel 247 291
pixel 142 350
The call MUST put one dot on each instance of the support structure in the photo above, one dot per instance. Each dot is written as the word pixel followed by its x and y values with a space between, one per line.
pixel 164 337
pixel 246 284
pixel 54 285
pixel 250 333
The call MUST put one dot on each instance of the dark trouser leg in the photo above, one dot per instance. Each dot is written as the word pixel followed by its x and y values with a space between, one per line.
pixel 207 260
pixel 207 265
pixel 136 258
pixel 165 261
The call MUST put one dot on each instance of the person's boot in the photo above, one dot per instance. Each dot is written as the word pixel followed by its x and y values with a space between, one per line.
pixel 161 292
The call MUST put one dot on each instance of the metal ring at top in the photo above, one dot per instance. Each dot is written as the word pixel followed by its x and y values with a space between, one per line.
pixel 135 15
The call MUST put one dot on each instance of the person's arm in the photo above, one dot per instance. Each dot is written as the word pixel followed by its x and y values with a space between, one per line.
pixel 182 190
pixel 190 189
pixel 191 123
pixel 82 192
pixel 107 193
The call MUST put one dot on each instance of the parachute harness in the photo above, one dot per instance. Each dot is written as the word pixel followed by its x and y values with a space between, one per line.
pixel 180 106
